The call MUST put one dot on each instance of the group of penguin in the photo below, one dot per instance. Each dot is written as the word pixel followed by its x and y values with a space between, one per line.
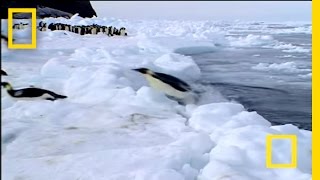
pixel 82 30
pixel 20 25
pixel 170 85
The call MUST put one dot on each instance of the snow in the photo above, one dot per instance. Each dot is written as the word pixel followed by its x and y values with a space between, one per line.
pixel 114 126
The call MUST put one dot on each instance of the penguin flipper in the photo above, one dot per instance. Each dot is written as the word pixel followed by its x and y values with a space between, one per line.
pixel 55 96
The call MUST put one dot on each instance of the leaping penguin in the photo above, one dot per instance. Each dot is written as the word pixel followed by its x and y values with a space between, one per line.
pixel 31 93
pixel 168 84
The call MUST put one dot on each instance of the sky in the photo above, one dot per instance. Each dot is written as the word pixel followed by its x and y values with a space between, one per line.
pixel 206 10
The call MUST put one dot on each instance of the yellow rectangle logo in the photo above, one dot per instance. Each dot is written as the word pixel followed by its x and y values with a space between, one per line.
pixel 33 44
pixel 293 139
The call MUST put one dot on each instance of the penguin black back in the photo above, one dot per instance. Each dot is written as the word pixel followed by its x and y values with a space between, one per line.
pixel 31 92
pixel 168 79
pixel 173 81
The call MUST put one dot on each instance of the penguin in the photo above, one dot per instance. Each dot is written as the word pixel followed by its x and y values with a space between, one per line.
pixel 31 93
pixel 3 73
pixel 41 24
pixel 168 84
pixel 115 31
pixel 99 29
pixel 106 30
pixel 110 31
pixel 62 26
pixel 16 26
pixel 82 30
pixel 75 29
pixel 20 25
pixel 51 26
pixel 87 30
pixel 93 30
pixel 24 25
pixel 67 28
pixel 123 32
pixel 43 28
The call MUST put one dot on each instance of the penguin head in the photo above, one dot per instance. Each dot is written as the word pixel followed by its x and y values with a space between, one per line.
pixel 143 71
pixel 3 73
pixel 6 85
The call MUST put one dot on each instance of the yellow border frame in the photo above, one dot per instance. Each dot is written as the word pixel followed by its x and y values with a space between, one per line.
pixel 315 95
pixel 33 12
pixel 294 141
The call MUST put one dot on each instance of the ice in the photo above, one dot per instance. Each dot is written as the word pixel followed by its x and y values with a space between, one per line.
pixel 289 48
pixel 251 40
pixel 179 66
pixel 54 69
pixel 114 126
pixel 244 151
pixel 288 67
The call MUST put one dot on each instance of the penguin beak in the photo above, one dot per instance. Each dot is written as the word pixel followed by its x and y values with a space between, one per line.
pixel 138 70
pixel 141 70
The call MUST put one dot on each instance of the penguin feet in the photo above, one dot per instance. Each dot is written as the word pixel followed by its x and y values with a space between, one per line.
pixel 51 99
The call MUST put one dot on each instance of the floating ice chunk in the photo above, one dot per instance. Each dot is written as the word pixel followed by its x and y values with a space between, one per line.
pixel 307 76
pixel 289 67
pixel 289 48
pixel 251 40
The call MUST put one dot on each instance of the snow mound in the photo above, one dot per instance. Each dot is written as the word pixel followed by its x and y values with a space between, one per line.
pixel 220 117
pixel 240 154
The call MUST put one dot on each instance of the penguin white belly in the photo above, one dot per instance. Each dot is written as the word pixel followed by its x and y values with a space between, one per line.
pixel 94 31
pixel 159 85
pixel 42 97
pixel 122 32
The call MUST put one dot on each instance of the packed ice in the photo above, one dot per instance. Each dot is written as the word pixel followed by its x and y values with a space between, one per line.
pixel 114 126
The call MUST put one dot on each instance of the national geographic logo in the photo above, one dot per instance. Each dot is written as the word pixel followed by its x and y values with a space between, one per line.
pixel 293 139
pixel 33 44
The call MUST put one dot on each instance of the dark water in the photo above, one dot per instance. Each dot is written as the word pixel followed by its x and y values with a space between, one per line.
pixel 281 96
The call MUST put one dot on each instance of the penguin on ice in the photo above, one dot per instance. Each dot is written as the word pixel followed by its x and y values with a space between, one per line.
pixel 168 84
pixel 31 93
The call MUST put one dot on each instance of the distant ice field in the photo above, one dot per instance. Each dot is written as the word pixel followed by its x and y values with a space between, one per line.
pixel 272 81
